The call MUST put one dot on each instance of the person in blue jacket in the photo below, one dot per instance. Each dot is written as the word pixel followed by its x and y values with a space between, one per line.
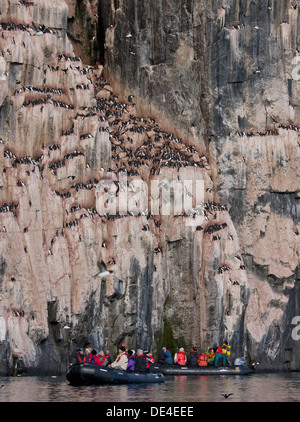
pixel 166 357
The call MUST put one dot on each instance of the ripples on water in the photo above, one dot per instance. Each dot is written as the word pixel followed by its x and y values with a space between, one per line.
pixel 259 387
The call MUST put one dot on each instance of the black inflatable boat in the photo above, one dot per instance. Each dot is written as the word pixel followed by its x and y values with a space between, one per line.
pixel 203 370
pixel 86 374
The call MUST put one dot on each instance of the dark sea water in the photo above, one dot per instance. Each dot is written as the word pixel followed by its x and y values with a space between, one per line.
pixel 257 387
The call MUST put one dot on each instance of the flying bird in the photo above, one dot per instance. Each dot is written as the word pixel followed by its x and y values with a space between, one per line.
pixel 227 395
pixel 103 271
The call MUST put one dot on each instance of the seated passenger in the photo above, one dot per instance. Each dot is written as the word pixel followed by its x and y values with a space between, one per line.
pixel 121 361
pixel 180 357
pixel 211 353
pixel 149 360
pixel 93 358
pixel 202 359
pixel 87 353
pixel 226 350
pixel 131 361
pixel 108 357
pixel 166 357
pixel 220 355
pixel 79 356
pixel 193 357
pixel 102 361
pixel 140 362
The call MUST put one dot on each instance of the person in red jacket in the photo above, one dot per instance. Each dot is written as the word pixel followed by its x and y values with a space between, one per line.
pixel 220 355
pixel 103 360
pixel 93 358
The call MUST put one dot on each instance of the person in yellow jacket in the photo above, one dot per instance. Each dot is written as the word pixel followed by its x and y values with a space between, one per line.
pixel 226 349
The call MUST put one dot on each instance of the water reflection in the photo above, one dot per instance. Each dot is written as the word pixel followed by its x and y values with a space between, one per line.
pixel 252 388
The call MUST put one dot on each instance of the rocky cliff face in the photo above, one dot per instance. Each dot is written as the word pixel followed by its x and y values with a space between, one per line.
pixel 225 74
pixel 85 259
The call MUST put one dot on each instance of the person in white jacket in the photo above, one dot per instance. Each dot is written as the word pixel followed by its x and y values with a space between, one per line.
pixel 122 360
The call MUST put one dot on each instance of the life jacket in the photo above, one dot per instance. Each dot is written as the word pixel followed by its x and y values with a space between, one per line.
pixel 219 350
pixel 211 355
pixel 82 359
pixel 202 359
pixel 101 360
pixel 91 359
pixel 149 360
pixel 181 358
pixel 119 357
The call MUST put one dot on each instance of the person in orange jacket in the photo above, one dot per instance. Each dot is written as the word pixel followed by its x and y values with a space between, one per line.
pixel 180 357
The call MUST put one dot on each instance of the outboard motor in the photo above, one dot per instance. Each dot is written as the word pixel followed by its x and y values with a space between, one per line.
pixel 240 362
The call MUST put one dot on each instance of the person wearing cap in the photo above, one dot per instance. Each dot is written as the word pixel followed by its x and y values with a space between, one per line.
pixel 79 356
pixel 193 357
pixel 166 357
pixel 180 357
pixel 87 352
pixel 121 361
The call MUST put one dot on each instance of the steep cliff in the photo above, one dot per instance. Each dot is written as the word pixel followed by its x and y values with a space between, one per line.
pixel 85 260
pixel 225 74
